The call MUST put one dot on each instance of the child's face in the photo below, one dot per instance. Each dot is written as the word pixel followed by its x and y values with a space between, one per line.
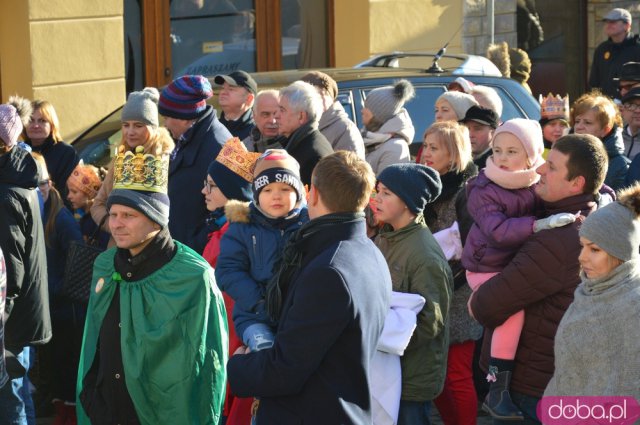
pixel 213 196
pixel 509 153
pixel 277 199
pixel 389 207
pixel 77 198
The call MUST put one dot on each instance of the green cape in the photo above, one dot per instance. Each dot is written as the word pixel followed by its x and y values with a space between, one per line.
pixel 174 339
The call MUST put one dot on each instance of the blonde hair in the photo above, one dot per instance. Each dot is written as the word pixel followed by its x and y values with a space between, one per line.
pixel 159 142
pixel 454 138
pixel 49 113
pixel 606 111
pixel 55 200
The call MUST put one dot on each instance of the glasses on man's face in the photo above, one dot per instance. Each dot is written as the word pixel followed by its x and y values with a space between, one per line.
pixel 631 107
pixel 209 186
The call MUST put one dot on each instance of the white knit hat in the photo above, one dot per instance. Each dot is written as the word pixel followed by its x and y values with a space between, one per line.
pixel 460 102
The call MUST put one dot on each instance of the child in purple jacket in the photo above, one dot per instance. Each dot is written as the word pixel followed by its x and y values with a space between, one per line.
pixel 503 204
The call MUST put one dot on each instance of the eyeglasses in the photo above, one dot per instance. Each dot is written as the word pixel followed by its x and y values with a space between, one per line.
pixel 208 186
pixel 631 107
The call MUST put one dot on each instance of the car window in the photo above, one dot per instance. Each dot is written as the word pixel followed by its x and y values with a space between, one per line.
pixel 98 145
pixel 346 100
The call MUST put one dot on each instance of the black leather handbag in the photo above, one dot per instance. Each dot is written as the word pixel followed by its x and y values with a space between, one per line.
pixel 78 268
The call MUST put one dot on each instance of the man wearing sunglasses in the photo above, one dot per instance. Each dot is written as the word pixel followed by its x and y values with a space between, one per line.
pixel 609 57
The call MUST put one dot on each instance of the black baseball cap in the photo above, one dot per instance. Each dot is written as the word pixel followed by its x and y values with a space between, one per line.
pixel 238 78
pixel 484 116
pixel 631 94
pixel 630 71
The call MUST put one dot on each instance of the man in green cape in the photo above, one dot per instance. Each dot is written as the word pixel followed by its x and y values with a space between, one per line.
pixel 155 340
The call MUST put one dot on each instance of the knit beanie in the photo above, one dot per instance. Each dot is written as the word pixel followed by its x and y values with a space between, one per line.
pixel 416 184
pixel 85 178
pixel 140 182
pixel 142 106
pixel 385 102
pixel 276 166
pixel 185 98
pixel 460 102
pixel 232 170
pixel 10 125
pixel 528 132
pixel 615 227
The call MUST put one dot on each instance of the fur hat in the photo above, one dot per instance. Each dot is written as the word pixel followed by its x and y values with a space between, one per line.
pixel 385 102
pixel 499 54
pixel 416 184
pixel 10 125
pixel 276 166
pixel 86 179
pixel 528 132
pixel 232 170
pixel 142 106
pixel 24 108
pixel 460 102
pixel 322 81
pixel 615 227
pixel 185 98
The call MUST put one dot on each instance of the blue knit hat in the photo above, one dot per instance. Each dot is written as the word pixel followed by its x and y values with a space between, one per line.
pixel 185 98
pixel 232 170
pixel 416 184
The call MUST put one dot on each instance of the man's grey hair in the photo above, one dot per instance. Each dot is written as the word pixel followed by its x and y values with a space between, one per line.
pixel 304 97
pixel 261 93
pixel 488 98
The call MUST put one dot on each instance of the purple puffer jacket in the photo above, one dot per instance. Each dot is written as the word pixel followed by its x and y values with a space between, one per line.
pixel 503 220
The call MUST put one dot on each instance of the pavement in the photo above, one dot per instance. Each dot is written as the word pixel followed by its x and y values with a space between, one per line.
pixel 435 419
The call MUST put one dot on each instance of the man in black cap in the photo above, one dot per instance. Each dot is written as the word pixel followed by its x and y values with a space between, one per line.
pixel 236 98
pixel 629 78
pixel 630 110
pixel 481 123
pixel 620 47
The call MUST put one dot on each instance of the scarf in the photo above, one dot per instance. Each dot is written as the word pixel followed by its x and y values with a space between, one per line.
pixel 512 179
pixel 292 257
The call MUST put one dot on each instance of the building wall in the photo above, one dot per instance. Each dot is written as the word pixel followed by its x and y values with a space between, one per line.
pixel 476 35
pixel 367 27
pixel 64 52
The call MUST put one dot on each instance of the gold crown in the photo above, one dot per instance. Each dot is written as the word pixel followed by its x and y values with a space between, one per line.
pixel 234 156
pixel 140 171
pixel 554 107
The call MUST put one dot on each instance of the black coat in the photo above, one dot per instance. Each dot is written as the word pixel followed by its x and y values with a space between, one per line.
pixel 22 242
pixel 317 372
pixel 608 59
pixel 240 128
pixel 187 172
pixel 61 159
pixel 307 145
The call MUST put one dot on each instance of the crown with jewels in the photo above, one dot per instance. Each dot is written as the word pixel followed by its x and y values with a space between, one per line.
pixel 554 107
pixel 141 171
pixel 234 156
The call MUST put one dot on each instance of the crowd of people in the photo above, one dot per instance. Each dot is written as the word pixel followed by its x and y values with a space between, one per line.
pixel 277 265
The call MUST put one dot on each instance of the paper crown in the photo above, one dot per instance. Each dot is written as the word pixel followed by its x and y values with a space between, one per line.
pixel 234 156
pixel 140 171
pixel 554 107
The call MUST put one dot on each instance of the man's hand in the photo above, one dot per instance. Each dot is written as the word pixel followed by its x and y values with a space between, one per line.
pixel 243 349
pixel 555 220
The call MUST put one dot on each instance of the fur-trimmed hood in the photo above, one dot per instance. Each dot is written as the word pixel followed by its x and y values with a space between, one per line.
pixel 237 211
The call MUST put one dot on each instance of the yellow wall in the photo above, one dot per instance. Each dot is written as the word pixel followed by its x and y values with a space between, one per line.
pixel 368 27
pixel 67 53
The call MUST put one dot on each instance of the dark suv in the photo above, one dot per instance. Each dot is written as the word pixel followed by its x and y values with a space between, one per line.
pixel 97 144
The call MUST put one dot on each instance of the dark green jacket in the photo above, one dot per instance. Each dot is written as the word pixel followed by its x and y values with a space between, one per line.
pixel 418 266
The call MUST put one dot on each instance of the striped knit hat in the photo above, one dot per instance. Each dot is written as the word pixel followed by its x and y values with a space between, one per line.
pixel 185 97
